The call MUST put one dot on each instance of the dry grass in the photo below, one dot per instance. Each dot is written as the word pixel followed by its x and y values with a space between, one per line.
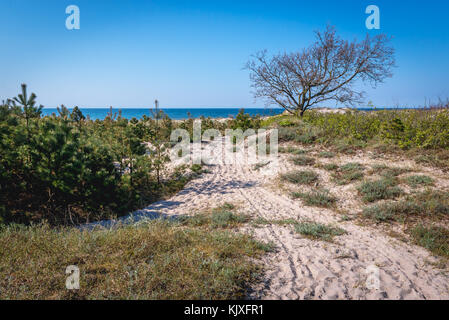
pixel 153 260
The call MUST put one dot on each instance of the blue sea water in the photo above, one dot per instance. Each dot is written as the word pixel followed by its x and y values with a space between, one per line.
pixel 175 114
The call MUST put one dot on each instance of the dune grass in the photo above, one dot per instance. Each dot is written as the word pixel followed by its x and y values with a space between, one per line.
pixel 419 181
pixel 327 154
pixel 318 198
pixel 302 160
pixel 300 177
pixel 348 173
pixel 433 238
pixel 292 150
pixel 388 172
pixel 152 260
pixel 379 190
pixel 318 231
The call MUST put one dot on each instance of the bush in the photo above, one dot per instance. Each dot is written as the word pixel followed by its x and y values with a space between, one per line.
pixel 348 173
pixel 435 239
pixel 318 231
pixel 379 190
pixel 320 199
pixel 388 172
pixel 395 211
pixel 427 129
pixel 66 169
pixel 429 204
pixel 300 177
pixel 302 160
pixel 327 154
pixel 419 181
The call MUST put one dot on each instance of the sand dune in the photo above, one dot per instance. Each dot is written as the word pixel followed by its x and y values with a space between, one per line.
pixel 306 269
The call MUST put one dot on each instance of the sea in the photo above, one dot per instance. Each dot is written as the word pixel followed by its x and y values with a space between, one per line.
pixel 173 113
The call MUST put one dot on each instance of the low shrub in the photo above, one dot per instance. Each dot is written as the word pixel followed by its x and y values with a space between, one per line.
pixel 379 190
pixel 435 239
pixel 318 231
pixel 322 199
pixel 419 181
pixel 302 160
pixel 300 177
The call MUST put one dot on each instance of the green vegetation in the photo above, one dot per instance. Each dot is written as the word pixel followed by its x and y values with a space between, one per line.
pixel 152 260
pixel 261 221
pixel 223 217
pixel 388 172
pixel 327 154
pixel 330 167
pixel 419 181
pixel 67 169
pixel 392 211
pixel 197 168
pixel 429 204
pixel 320 198
pixel 300 177
pixel 387 130
pixel 302 160
pixel 292 150
pixel 318 231
pixel 435 239
pixel 348 173
pixel 379 190
pixel 312 230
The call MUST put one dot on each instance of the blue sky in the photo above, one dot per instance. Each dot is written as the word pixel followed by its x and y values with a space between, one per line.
pixel 192 53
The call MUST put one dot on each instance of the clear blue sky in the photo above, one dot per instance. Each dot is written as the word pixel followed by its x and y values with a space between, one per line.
pixel 191 53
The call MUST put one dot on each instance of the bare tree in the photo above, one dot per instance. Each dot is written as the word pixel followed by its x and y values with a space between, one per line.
pixel 327 70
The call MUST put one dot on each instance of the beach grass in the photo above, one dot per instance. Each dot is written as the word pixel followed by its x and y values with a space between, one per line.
pixel 158 259
pixel 300 177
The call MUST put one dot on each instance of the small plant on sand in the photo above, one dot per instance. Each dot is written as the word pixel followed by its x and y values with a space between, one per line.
pixel 326 154
pixel 261 165
pixel 262 222
pixel 388 172
pixel 419 181
pixel 393 211
pixel 348 173
pixel 435 202
pixel 318 231
pixel 330 167
pixel 292 150
pixel 223 217
pixel 435 239
pixel 300 177
pixel 379 190
pixel 429 204
pixel 320 198
pixel 197 168
pixel 302 160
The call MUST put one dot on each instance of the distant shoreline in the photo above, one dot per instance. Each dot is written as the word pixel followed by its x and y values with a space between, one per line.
pixel 196 113
pixel 173 113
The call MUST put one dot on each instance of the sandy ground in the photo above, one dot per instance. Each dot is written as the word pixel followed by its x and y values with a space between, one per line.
pixel 303 268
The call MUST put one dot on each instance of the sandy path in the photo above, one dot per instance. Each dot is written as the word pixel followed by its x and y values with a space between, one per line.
pixel 306 269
